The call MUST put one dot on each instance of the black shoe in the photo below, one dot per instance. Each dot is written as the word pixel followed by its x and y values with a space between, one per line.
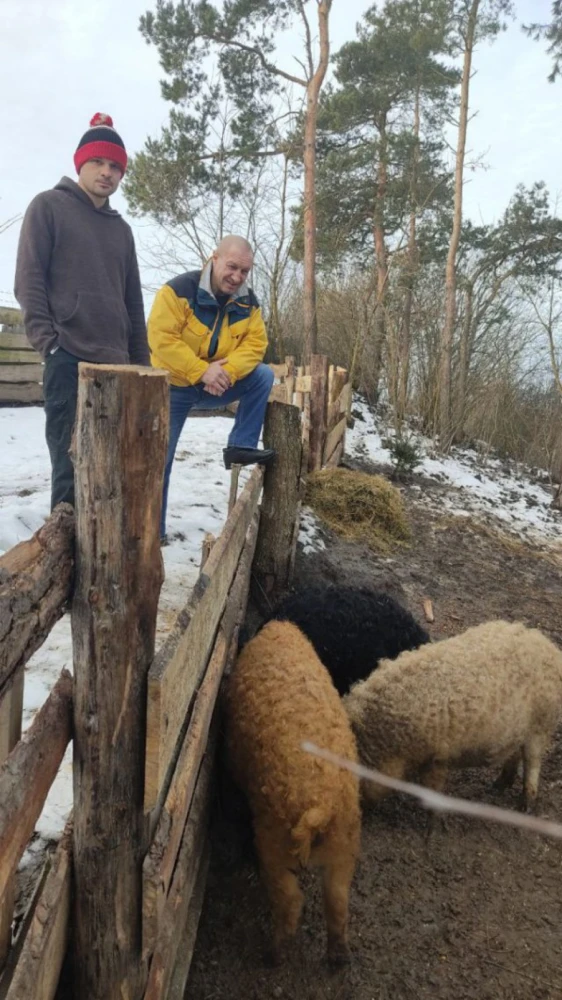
pixel 164 541
pixel 247 456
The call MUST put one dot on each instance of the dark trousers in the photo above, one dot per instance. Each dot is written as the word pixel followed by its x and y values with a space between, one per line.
pixel 60 391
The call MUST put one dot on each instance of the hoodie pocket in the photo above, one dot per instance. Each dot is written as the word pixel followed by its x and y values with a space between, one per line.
pixel 93 326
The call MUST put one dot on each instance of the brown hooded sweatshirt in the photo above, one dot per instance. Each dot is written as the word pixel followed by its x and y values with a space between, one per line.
pixel 77 279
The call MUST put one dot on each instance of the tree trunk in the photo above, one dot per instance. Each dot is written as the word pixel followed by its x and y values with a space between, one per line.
pixel 405 340
pixel 121 436
pixel 310 332
pixel 464 362
pixel 381 261
pixel 450 272
pixel 276 274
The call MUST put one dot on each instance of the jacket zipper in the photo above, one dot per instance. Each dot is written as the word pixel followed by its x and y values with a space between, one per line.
pixel 217 329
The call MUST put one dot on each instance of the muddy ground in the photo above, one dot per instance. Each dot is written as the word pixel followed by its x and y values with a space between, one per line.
pixel 473 914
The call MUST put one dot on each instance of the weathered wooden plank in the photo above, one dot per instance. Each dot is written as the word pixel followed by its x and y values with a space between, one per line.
pixel 36 579
pixel 345 397
pixel 20 373
pixel 194 847
pixel 291 375
pixel 336 456
pixel 278 394
pixel 179 665
pixel 16 340
pixel 272 564
pixel 318 410
pixel 28 773
pixel 334 415
pixel 12 357
pixel 184 955
pixel 337 382
pixel 303 383
pixel 24 392
pixel 279 371
pixel 11 707
pixel 121 440
pixel 333 439
pixel 160 861
pixel 298 399
pixel 36 974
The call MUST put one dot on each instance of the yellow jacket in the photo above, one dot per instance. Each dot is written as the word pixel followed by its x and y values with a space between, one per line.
pixel 187 330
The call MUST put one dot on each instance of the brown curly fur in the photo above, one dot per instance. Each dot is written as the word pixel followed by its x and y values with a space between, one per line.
pixel 490 696
pixel 305 810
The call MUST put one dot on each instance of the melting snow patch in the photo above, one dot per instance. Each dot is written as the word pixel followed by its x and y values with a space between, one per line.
pixel 310 535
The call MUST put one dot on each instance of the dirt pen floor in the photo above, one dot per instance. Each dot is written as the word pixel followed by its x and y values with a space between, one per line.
pixel 476 912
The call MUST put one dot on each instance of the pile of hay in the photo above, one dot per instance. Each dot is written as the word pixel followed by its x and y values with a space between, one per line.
pixel 359 506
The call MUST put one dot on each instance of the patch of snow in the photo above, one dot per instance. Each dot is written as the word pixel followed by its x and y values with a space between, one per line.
pixel 310 532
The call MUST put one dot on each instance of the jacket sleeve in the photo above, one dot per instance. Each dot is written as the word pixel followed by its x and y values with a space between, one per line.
pixel 168 350
pixel 32 267
pixel 138 343
pixel 251 349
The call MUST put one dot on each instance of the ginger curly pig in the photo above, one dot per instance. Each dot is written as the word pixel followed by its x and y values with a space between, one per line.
pixel 305 811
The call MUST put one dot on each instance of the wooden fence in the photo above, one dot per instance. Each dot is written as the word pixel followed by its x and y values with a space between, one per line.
pixel 21 369
pixel 323 393
pixel 129 872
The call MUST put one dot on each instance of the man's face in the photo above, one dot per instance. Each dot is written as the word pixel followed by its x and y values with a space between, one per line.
pixel 230 270
pixel 100 177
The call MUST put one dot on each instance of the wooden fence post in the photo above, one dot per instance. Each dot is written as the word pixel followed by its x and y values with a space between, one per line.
pixel 319 367
pixel 121 437
pixel 279 509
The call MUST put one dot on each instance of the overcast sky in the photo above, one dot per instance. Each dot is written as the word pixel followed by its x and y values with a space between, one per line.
pixel 63 60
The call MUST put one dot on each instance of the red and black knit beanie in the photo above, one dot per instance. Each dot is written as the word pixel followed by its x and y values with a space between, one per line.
pixel 101 140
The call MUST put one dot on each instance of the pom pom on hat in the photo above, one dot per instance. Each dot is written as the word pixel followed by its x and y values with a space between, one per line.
pixel 101 119
pixel 101 141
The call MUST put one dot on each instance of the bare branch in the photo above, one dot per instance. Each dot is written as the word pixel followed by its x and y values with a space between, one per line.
pixel 4 226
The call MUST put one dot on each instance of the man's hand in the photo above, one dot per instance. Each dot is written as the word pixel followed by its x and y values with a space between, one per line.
pixel 216 381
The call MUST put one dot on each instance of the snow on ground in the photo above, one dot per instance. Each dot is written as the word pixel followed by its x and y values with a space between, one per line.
pixel 198 501
pixel 476 485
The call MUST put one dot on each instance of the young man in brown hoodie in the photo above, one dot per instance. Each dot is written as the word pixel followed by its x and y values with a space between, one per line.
pixel 77 281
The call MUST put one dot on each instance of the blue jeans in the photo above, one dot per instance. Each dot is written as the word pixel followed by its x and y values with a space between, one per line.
pixel 252 392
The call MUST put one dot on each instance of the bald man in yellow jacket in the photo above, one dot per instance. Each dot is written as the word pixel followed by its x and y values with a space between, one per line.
pixel 206 329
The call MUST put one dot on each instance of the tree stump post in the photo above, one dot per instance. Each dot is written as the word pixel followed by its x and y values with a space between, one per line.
pixel 319 367
pixel 120 447
pixel 280 504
